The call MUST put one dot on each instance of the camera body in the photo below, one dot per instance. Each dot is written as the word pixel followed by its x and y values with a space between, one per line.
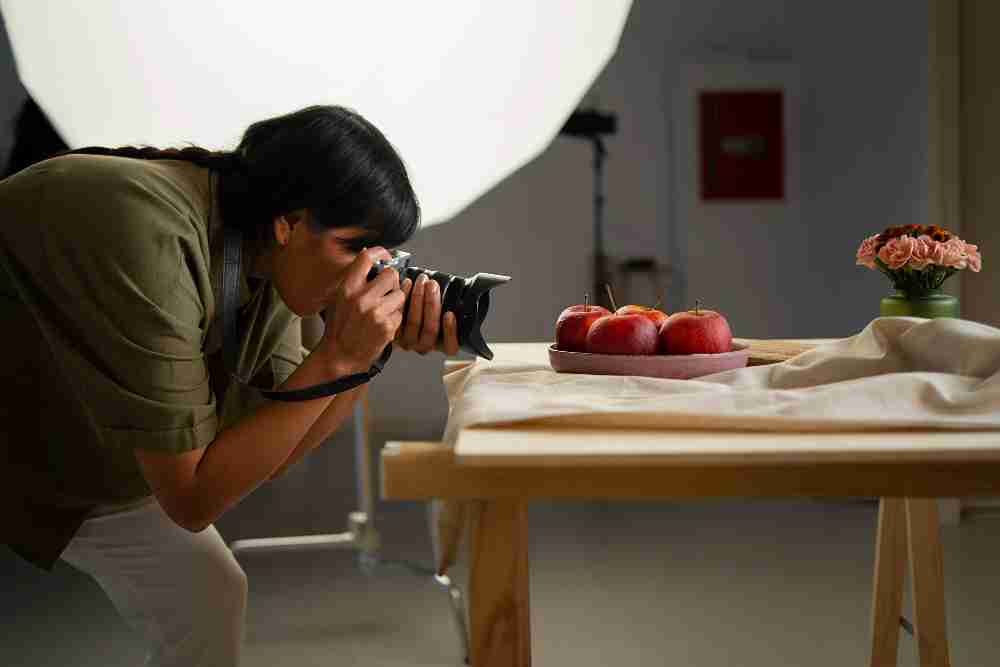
pixel 468 298
pixel 400 261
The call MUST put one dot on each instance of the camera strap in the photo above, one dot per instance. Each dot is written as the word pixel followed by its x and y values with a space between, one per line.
pixel 231 253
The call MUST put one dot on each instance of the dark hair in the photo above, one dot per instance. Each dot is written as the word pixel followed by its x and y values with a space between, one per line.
pixel 327 159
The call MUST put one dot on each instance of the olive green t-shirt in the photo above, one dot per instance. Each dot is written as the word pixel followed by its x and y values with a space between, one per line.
pixel 110 287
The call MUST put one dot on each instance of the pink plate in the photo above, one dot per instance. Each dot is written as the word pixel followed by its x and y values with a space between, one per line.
pixel 675 366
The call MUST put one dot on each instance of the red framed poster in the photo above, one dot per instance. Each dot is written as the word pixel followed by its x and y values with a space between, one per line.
pixel 741 145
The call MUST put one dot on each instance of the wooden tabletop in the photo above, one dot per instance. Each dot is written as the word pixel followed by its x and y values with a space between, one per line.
pixel 539 461
pixel 539 446
pixel 429 470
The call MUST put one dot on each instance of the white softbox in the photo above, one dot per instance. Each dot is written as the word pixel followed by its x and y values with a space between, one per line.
pixel 467 91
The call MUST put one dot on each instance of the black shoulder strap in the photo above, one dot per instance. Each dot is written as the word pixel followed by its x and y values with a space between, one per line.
pixel 231 251
pixel 232 247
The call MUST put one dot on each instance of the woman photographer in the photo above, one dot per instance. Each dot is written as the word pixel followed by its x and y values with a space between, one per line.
pixel 124 438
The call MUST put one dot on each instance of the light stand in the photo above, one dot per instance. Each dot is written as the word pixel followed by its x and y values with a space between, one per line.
pixel 361 535
pixel 592 125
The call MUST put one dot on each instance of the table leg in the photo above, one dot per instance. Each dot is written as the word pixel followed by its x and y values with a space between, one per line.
pixel 499 628
pixel 887 590
pixel 927 579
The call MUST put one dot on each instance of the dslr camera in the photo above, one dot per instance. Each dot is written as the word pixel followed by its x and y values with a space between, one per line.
pixel 468 298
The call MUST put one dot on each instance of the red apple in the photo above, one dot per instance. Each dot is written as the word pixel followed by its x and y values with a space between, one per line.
pixel 657 317
pixel 574 323
pixel 697 331
pixel 622 334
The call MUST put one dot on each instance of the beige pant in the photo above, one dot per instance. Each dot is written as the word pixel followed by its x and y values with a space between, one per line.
pixel 184 592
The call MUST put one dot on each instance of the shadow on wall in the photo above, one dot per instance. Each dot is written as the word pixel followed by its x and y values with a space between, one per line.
pixel 34 138
pixel 26 134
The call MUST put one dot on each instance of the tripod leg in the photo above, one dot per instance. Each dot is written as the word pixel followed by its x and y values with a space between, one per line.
pixel 455 597
pixel 362 460
pixel 369 541
pixel 457 601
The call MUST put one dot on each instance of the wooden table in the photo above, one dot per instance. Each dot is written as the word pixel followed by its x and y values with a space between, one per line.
pixel 503 469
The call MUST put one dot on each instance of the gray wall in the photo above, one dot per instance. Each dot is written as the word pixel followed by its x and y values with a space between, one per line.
pixel 863 114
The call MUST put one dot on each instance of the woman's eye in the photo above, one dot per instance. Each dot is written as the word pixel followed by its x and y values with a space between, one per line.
pixel 347 245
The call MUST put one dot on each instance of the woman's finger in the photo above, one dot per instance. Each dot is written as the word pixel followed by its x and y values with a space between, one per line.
pixel 356 274
pixel 406 288
pixel 393 303
pixel 432 319
pixel 450 334
pixel 416 314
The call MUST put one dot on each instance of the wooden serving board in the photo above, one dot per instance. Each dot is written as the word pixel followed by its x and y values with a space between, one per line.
pixel 762 351
pixel 772 351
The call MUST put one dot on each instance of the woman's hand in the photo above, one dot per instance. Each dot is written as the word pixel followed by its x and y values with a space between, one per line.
pixel 363 317
pixel 424 321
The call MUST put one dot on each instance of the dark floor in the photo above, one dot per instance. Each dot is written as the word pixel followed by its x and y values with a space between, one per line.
pixel 709 584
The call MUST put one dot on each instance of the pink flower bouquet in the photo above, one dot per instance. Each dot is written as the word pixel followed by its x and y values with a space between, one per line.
pixel 917 258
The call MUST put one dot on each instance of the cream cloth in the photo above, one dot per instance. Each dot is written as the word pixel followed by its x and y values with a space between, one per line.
pixel 899 372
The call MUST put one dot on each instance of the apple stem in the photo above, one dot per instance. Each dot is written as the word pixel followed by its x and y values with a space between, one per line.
pixel 658 302
pixel 611 296
pixel 697 307
pixel 586 301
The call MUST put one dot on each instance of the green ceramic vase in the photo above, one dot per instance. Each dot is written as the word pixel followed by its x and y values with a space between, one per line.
pixel 930 305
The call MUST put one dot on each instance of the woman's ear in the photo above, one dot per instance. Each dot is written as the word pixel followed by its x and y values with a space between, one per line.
pixel 285 224
pixel 282 230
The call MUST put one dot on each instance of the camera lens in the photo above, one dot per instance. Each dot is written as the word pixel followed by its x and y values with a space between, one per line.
pixel 468 298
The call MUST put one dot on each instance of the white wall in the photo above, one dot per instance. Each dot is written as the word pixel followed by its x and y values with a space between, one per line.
pixel 863 117
pixel 704 250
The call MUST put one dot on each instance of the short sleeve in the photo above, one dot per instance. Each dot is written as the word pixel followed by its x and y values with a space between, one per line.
pixel 126 276
pixel 288 354
pixel 243 399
